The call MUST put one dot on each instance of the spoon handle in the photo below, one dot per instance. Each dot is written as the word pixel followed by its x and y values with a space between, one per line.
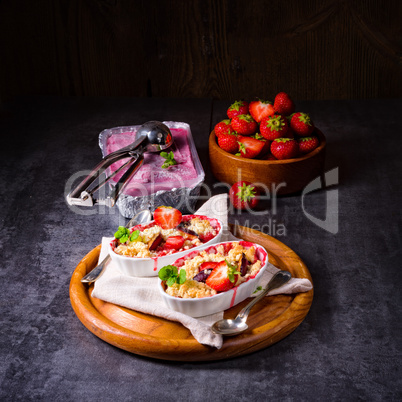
pixel 279 279
pixel 96 272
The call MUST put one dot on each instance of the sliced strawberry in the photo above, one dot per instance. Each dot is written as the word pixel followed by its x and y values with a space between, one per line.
pixel 208 265
pixel 266 148
pixel 206 237
pixel 250 147
pixel 218 279
pixel 205 270
pixel 167 217
pixel 260 109
pixel 267 144
pixel 174 242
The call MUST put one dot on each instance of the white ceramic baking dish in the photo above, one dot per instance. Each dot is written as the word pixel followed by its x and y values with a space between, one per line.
pixel 198 307
pixel 133 266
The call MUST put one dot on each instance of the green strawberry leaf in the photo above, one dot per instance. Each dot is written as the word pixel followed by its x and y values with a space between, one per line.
pixel 246 192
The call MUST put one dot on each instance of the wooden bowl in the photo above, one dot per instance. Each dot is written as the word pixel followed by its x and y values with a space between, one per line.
pixel 280 176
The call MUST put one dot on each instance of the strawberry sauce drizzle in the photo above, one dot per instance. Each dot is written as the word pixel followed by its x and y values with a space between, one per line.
pixel 233 297
pixel 155 263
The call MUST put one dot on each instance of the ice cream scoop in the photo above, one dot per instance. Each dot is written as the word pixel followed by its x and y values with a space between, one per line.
pixel 152 136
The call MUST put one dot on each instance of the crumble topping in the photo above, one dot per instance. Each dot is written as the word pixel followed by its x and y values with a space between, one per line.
pixel 140 248
pixel 194 289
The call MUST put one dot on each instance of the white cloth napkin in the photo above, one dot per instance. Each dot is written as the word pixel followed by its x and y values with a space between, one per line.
pixel 141 294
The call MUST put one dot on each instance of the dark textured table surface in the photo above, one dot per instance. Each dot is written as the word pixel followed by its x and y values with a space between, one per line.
pixel 347 348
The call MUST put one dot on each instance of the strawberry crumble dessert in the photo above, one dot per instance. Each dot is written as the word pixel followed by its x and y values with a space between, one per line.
pixel 169 233
pixel 215 270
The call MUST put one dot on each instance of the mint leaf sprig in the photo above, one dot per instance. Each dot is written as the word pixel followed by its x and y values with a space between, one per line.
pixel 232 271
pixel 170 274
pixel 169 159
pixel 123 234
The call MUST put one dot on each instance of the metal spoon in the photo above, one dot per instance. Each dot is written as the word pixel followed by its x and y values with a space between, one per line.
pixel 152 136
pixel 238 325
pixel 142 217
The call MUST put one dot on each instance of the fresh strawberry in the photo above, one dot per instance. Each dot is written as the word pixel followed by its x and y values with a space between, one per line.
pixel 273 127
pixel 260 109
pixel 244 124
pixel 223 127
pixel 228 142
pixel 244 195
pixel 222 277
pixel 284 148
pixel 267 144
pixel 302 124
pixel 174 242
pixel 204 270
pixel 283 104
pixel 269 157
pixel 167 217
pixel 250 147
pixel 237 108
pixel 308 144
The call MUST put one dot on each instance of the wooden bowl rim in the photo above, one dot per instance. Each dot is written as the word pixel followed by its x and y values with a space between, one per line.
pixel 234 158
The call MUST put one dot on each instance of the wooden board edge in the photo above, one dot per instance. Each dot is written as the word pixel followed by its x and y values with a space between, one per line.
pixel 165 349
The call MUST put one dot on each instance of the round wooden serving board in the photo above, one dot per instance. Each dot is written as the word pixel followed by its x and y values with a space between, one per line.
pixel 270 320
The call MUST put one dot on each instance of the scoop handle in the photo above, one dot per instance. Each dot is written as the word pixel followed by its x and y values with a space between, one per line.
pixel 125 179
pixel 92 176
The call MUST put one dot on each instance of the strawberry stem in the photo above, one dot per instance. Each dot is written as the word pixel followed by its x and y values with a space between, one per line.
pixel 246 192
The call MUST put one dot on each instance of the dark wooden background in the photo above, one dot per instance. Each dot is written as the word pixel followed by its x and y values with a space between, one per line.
pixel 230 49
